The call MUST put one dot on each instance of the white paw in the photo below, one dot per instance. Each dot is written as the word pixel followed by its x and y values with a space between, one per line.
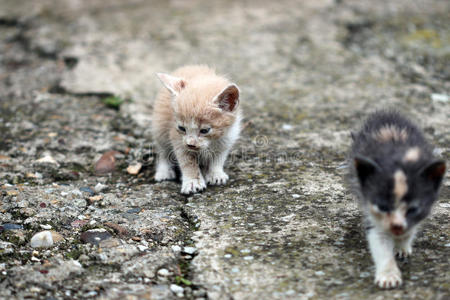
pixel 193 185
pixel 164 173
pixel 404 252
pixel 388 279
pixel 216 177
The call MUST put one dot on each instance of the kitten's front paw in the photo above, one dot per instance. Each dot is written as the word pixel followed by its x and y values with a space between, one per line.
pixel 390 278
pixel 404 252
pixel 216 177
pixel 193 185
pixel 164 174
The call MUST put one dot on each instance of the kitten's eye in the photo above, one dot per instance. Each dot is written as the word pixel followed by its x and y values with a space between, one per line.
pixel 181 128
pixel 383 208
pixel 205 130
pixel 412 211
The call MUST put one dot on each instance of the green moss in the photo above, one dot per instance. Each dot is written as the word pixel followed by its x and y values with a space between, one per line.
pixel 426 36
pixel 113 102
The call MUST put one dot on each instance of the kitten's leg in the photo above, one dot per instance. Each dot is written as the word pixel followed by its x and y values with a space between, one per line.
pixel 405 244
pixel 387 274
pixel 192 178
pixel 215 174
pixel 164 167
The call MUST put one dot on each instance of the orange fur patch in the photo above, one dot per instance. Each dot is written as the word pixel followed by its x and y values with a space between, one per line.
pixel 391 133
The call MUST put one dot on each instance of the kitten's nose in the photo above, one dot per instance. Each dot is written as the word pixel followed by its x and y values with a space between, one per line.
pixel 397 229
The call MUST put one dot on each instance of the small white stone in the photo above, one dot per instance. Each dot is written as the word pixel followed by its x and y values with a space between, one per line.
pixel 142 248
pixel 320 273
pixel 176 288
pixel 245 251
pixel 445 205
pixel 176 248
pixel 64 194
pixel 99 187
pixel 439 97
pixel 90 294
pixel 163 272
pixel 42 239
pixel 190 250
pixel 47 159
pixel 46 226
pixel 228 255
pixel 295 196
pixel 235 270
pixel 248 257
pixel 287 127
pixel 447 245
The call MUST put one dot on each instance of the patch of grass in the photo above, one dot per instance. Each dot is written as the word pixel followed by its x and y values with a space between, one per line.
pixel 182 281
pixel 113 102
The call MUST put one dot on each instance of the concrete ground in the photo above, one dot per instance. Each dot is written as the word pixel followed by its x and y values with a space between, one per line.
pixel 77 80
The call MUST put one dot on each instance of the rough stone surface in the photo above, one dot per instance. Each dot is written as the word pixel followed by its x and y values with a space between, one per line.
pixel 77 81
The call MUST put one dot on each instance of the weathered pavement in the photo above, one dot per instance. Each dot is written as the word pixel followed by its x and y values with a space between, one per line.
pixel 285 226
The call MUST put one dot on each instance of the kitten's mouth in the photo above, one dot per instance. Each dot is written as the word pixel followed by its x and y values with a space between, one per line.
pixel 397 230
pixel 192 148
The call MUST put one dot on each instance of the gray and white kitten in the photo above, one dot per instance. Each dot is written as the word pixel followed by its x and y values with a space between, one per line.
pixel 397 180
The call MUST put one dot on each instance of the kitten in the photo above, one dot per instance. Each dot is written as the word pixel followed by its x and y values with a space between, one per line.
pixel 196 121
pixel 397 180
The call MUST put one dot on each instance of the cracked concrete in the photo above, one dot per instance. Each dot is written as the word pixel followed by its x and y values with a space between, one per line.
pixel 285 226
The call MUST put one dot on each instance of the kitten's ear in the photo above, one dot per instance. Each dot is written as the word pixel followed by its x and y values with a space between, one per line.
pixel 228 99
pixel 172 83
pixel 365 167
pixel 434 172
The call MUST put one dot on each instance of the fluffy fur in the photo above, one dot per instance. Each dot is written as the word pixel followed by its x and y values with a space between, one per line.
pixel 397 179
pixel 196 120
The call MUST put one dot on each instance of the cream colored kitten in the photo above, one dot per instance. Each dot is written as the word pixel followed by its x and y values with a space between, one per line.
pixel 196 121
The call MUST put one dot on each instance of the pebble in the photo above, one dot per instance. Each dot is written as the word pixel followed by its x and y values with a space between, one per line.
pixel 295 196
pixel 90 294
pixel 320 273
pixel 46 226
pixel 45 239
pixel 106 163
pixel 95 236
pixel 248 257
pixel 134 210
pixel 95 198
pixel 447 245
pixel 142 248
pixel 10 226
pixel 163 272
pixel 109 243
pixel 199 293
pixel 176 288
pixel 228 255
pixel 445 205
pixel 117 228
pixel 134 169
pixel 439 98
pixel 190 250
pixel 176 248
pixel 287 127
pixel 87 190
pixel 78 223
pixel 99 187
pixel 47 159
